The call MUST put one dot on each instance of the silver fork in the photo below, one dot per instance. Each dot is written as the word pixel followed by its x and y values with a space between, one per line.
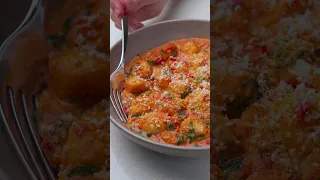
pixel 117 77
pixel 17 104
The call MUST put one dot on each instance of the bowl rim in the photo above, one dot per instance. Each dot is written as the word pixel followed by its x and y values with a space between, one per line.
pixel 143 139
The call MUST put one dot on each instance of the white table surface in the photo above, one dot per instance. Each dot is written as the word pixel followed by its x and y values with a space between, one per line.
pixel 130 161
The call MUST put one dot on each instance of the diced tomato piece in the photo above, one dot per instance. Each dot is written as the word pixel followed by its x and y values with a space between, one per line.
pixel 208 141
pixel 264 49
pixel 47 145
pixel 159 61
pixel 292 83
pixel 170 49
pixel 303 109
pixel 172 58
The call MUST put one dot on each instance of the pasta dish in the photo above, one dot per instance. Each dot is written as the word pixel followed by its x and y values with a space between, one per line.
pixel 265 111
pixel 73 114
pixel 167 93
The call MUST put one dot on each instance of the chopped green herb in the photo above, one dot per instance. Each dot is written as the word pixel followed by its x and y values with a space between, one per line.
pixel 58 39
pixel 89 6
pixel 232 165
pixel 181 115
pixel 161 51
pixel 191 124
pixel 151 63
pixel 73 100
pixel 192 135
pixel 135 115
pixel 180 138
pixel 138 54
pixel 316 52
pixel 207 123
pixel 199 79
pixel 171 127
pixel 82 170
pixel 175 53
pixel 149 134
pixel 127 74
pixel 186 92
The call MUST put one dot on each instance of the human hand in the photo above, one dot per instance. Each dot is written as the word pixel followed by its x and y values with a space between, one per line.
pixel 137 11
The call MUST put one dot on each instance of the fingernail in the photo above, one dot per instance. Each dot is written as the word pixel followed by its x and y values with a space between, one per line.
pixel 118 13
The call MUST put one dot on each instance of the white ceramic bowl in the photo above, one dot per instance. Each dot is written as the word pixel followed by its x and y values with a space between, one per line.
pixel 144 40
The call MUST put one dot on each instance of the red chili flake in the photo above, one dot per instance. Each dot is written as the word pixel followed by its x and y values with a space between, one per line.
pixel 302 110
pixel 47 145
pixel 309 86
pixel 82 128
pixel 205 96
pixel 82 21
pixel 201 86
pixel 295 2
pixel 171 58
pixel 236 3
pixel 176 124
pixel 170 49
pixel 292 83
pixel 84 31
pixel 99 22
pixel 159 61
pixel 208 141
pixel 264 49
pixel 191 76
pixel 268 160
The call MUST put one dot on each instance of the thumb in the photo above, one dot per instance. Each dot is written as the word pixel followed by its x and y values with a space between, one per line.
pixel 134 24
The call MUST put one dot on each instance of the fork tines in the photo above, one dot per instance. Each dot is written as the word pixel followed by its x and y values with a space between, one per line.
pixel 18 114
pixel 117 103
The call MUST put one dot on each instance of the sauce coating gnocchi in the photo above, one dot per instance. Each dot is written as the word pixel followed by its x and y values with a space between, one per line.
pixel 167 93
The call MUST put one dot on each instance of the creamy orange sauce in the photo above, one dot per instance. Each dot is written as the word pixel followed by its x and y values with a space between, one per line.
pixel 166 93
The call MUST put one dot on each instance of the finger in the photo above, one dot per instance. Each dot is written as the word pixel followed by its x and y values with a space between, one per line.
pixel 150 11
pixel 134 24
pixel 115 19
pixel 116 11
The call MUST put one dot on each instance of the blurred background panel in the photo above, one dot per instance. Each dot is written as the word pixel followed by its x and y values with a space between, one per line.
pixel 12 13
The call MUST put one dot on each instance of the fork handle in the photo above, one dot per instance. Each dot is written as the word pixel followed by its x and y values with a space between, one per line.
pixel 124 24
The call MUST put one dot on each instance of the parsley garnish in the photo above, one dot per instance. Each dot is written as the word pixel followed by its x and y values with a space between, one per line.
pixel 149 134
pixel 73 100
pixel 186 92
pixel 191 124
pixel 127 74
pixel 181 115
pixel 192 135
pixel 232 165
pixel 161 51
pixel 82 170
pixel 171 127
pixel 180 139
pixel 151 63
pixel 58 39
pixel 135 115
pixel 89 6
pixel 175 53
